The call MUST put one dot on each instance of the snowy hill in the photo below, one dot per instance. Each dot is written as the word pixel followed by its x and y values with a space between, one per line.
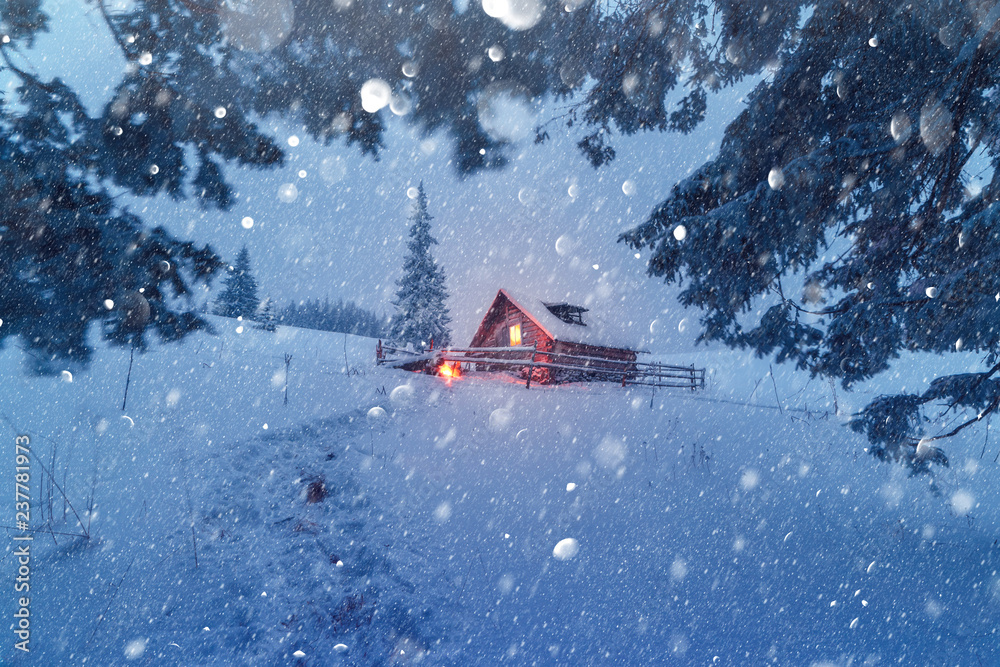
pixel 477 522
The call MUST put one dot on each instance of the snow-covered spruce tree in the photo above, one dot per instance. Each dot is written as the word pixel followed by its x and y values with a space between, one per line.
pixel 266 315
pixel 421 314
pixel 853 210
pixel 239 299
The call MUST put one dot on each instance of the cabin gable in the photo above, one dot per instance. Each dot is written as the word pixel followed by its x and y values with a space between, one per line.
pixel 507 324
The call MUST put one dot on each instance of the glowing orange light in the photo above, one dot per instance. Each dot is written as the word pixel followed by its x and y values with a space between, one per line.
pixel 449 371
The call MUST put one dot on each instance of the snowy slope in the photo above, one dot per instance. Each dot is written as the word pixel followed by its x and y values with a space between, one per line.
pixel 204 547
pixel 709 528
pixel 705 528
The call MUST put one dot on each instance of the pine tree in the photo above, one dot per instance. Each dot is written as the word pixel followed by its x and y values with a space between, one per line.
pixel 267 318
pixel 421 315
pixel 239 299
pixel 853 209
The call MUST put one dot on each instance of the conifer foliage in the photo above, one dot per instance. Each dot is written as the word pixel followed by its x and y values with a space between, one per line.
pixel 239 299
pixel 421 315
pixel 342 317
pixel 853 209
pixel 200 76
pixel 267 318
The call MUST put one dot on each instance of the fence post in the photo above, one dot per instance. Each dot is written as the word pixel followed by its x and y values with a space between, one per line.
pixel 531 366
pixel 288 361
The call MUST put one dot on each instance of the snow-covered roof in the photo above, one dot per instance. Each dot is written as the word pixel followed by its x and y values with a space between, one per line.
pixel 599 328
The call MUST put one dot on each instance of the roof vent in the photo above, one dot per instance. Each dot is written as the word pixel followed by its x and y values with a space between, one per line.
pixel 568 313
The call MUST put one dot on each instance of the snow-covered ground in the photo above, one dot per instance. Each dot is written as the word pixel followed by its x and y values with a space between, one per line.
pixel 477 522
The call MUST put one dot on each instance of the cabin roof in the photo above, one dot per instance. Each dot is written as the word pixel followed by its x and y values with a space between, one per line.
pixel 597 329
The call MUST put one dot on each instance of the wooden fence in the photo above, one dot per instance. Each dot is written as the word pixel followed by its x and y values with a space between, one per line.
pixel 528 358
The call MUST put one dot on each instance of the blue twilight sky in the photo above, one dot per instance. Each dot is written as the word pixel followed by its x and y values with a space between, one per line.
pixel 546 224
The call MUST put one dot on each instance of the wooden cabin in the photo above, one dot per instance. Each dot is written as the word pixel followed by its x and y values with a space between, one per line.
pixel 570 341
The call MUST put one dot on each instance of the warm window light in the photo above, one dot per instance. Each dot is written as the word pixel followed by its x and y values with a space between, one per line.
pixel 515 335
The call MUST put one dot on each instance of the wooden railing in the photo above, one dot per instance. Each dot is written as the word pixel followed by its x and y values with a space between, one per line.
pixel 530 358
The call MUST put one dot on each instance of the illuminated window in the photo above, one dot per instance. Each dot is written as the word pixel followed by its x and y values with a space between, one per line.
pixel 515 334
